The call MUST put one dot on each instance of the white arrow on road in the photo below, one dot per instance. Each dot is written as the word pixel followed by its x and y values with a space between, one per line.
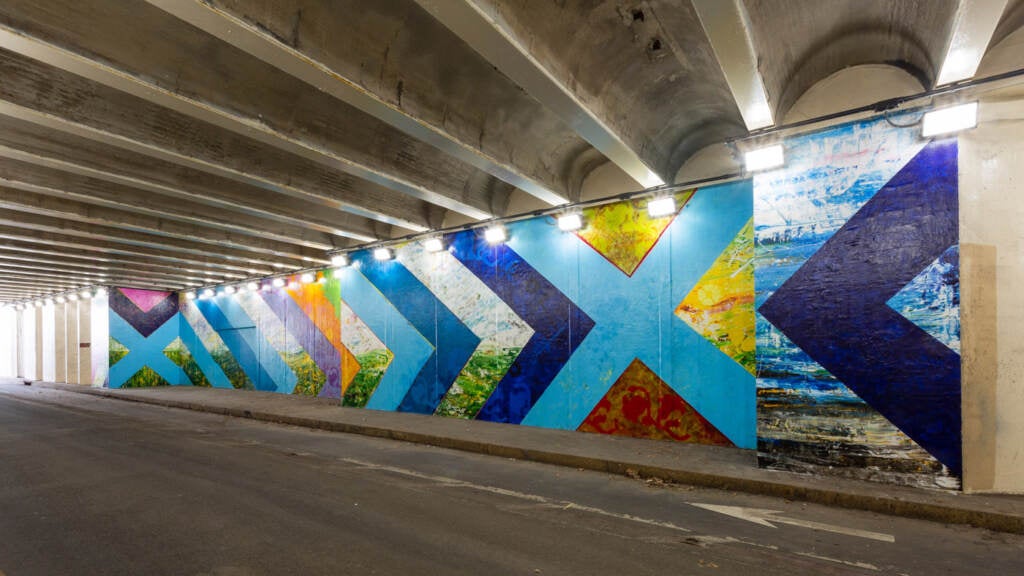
pixel 766 517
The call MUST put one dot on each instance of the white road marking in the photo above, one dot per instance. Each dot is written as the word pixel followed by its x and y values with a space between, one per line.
pixel 864 565
pixel 562 504
pixel 767 517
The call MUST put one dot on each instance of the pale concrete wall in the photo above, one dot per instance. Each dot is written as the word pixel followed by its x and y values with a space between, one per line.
pixel 992 309
pixel 28 340
pixel 99 337
pixel 84 343
pixel 60 343
pixel 71 343
pixel 8 342
pixel 48 353
pixel 37 349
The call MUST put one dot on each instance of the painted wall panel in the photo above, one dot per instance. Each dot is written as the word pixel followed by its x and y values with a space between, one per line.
pixel 71 349
pixel 85 342
pixel 8 342
pixel 811 312
pixel 857 292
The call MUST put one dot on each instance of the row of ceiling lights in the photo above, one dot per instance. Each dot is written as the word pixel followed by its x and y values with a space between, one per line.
pixel 62 298
pixel 933 123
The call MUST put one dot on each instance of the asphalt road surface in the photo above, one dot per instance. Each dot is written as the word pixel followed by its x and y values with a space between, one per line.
pixel 97 486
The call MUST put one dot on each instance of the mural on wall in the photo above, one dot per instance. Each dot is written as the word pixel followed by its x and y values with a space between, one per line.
pixel 856 260
pixel 634 325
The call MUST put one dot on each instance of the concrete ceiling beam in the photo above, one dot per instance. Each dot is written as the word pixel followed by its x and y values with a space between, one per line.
pixel 172 256
pixel 69 280
pixel 480 24
pixel 973 26
pixel 42 147
pixel 248 27
pixel 102 258
pixel 241 94
pixel 66 263
pixel 49 202
pixel 727 26
pixel 93 232
pixel 42 180
pixel 95 112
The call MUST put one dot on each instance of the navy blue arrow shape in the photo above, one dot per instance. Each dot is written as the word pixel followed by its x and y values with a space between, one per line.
pixel 834 307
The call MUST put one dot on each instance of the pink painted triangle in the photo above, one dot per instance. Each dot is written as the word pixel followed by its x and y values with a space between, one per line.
pixel 144 299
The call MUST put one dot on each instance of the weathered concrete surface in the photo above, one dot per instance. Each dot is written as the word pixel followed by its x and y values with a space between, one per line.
pixel 91 486
pixel 692 464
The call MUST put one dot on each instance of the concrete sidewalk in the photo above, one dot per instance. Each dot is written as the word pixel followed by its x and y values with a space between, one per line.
pixel 709 466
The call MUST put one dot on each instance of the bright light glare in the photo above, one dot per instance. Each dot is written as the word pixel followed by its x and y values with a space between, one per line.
pixel 307 278
pixel 73 297
pixel 208 293
pixel 948 120
pixel 229 290
pixel 101 292
pixel 61 300
pixel 278 282
pixel 661 207
pixel 495 235
pixel 570 222
pixel 190 295
pixel 86 294
pixel 252 286
pixel 339 260
pixel 652 180
pixel 433 245
pixel 38 303
pixel 764 158
pixel 382 254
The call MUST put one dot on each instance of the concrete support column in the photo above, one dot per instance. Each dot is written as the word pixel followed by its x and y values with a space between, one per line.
pixel 71 343
pixel 85 343
pixel 60 343
pixel 19 361
pixel 38 349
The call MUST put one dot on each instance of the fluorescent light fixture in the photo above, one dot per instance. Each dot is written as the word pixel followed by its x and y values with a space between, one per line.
pixel 266 287
pixel 382 253
pixel 293 285
pixel 190 295
pixel 101 292
pixel 764 158
pixel 38 303
pixel 661 207
pixel 570 222
pixel 278 282
pixel 279 265
pixel 86 294
pixel 947 120
pixel 229 290
pixel 495 234
pixel 434 244
pixel 61 299
pixel 208 293
pixel 73 297
pixel 307 278
pixel 252 286
pixel 339 260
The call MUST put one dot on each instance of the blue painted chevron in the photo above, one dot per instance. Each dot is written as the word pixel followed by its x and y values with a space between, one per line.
pixel 453 342
pixel 559 325
pixel 238 337
pixel 834 307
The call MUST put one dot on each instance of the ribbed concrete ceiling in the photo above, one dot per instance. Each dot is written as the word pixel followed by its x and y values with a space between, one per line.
pixel 177 143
